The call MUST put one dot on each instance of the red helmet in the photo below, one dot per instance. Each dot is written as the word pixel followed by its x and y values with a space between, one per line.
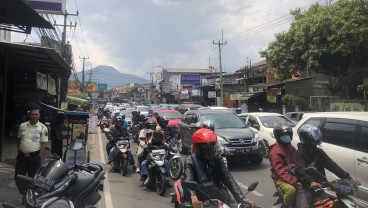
pixel 204 143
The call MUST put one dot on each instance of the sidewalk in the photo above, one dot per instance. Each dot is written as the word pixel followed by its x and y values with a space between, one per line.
pixel 8 189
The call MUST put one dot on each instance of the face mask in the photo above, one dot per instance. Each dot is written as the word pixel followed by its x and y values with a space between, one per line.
pixel 285 139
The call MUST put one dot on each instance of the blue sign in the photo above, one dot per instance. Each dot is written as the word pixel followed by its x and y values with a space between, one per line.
pixel 190 79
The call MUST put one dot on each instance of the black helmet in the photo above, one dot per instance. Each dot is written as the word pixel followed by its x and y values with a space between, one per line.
pixel 163 121
pixel 118 119
pixel 149 124
pixel 310 135
pixel 283 129
pixel 208 125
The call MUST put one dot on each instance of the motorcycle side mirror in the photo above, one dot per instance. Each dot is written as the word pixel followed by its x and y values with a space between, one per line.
pixel 253 186
pixel 192 185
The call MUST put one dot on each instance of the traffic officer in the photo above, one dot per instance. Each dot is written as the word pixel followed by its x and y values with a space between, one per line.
pixel 32 139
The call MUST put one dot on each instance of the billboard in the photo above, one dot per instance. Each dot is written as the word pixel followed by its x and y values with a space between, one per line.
pixel 194 79
pixel 91 87
pixel 48 6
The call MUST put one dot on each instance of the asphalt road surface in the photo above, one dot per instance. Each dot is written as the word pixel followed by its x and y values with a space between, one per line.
pixel 128 192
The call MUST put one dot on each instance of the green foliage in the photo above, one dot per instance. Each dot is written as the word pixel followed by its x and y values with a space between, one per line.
pixel 294 100
pixel 327 39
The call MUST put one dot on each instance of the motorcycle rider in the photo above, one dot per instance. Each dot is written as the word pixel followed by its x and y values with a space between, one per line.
pixel 157 140
pixel 117 131
pixel 282 163
pixel 206 167
pixel 137 117
pixel 143 139
pixel 308 154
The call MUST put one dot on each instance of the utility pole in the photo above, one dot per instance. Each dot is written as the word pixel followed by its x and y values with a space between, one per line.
pixel 220 44
pixel 83 85
pixel 151 86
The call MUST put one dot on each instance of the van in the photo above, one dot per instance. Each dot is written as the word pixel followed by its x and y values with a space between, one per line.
pixel 345 140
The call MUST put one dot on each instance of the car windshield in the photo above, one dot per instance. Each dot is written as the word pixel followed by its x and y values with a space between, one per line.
pixel 143 108
pixel 128 112
pixel 271 121
pixel 224 120
pixel 172 114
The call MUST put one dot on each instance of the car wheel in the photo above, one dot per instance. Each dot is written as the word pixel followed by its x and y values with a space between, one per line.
pixel 267 148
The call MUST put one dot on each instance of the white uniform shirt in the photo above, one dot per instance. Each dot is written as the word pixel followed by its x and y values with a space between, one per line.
pixel 31 136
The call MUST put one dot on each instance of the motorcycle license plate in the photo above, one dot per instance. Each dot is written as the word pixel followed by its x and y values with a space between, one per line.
pixel 159 151
pixel 43 182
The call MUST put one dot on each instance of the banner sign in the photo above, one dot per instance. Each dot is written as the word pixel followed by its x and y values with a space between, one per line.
pixel 48 6
pixel 91 87
pixel 190 79
pixel 41 81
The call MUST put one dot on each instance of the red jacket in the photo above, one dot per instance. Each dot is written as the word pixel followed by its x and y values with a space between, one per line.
pixel 279 167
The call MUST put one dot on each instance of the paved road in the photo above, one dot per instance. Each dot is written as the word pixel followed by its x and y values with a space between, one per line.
pixel 127 191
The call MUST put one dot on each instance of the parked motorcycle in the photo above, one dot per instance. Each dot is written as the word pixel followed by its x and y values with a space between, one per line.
pixel 339 193
pixel 156 170
pixel 181 199
pixel 122 155
pixel 55 183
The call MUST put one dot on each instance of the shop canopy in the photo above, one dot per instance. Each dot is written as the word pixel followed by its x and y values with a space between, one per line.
pixel 70 114
pixel 77 100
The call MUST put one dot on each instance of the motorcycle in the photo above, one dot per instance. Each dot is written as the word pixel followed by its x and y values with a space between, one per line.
pixel 55 183
pixel 122 155
pixel 135 132
pixel 340 192
pixel 156 170
pixel 176 164
pixel 104 123
pixel 181 199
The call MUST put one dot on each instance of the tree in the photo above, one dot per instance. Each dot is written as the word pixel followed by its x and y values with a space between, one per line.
pixel 291 101
pixel 329 39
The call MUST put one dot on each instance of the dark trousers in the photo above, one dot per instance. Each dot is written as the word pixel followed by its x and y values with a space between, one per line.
pixel 27 166
pixel 57 147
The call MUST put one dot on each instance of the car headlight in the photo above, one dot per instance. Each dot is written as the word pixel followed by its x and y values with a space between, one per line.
pixel 255 138
pixel 223 142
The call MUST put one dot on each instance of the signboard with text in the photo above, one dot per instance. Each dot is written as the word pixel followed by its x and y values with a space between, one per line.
pixel 190 79
pixel 101 87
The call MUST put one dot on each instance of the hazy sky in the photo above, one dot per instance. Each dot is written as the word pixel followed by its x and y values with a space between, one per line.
pixel 140 36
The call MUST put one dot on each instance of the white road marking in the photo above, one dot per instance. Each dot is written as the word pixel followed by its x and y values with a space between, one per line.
pixel 246 188
pixel 106 190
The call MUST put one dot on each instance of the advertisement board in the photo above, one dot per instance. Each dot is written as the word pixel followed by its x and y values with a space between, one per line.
pixel 48 6
pixel 190 79
pixel 211 94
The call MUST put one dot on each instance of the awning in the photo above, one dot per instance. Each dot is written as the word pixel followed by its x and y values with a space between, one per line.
pixel 77 99
pixel 17 16
pixel 70 114
pixel 45 60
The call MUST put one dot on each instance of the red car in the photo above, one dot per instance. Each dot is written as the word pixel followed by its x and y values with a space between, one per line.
pixel 173 115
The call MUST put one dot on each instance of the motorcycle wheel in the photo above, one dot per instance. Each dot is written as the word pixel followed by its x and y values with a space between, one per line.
pixel 161 183
pixel 176 168
pixel 123 166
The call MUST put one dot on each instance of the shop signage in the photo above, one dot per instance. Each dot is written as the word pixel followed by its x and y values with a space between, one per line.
pixel 211 94
pixel 271 99
pixel 190 79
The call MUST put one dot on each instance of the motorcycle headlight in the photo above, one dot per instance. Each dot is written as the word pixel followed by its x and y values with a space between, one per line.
pixel 255 138
pixel 223 142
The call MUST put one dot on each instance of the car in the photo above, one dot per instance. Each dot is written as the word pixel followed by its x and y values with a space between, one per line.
pixel 295 116
pixel 264 122
pixel 128 115
pixel 214 108
pixel 236 139
pixel 143 109
pixel 185 107
pixel 345 140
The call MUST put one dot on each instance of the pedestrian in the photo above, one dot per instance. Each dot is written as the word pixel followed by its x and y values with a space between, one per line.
pixel 56 134
pixel 32 140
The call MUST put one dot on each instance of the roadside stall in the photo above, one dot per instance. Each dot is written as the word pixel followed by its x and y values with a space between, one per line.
pixel 76 127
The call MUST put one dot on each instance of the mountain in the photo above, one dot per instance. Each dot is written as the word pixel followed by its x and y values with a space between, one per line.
pixel 110 76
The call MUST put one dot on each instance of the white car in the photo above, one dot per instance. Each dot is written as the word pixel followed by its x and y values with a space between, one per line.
pixel 345 140
pixel 143 109
pixel 264 123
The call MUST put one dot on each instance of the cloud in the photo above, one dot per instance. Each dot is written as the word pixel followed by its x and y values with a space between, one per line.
pixel 137 36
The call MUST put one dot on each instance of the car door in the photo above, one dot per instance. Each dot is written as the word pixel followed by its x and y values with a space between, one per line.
pixel 361 158
pixel 339 136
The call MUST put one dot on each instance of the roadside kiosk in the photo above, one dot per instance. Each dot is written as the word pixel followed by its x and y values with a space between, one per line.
pixel 76 126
